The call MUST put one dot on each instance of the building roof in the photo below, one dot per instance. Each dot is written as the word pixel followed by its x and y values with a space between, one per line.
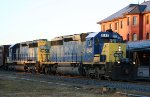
pixel 138 45
pixel 130 9
pixel 118 14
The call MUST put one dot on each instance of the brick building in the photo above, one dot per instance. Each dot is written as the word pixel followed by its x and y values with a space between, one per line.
pixel 132 22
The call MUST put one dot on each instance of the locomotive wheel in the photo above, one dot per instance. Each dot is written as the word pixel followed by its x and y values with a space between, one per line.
pixel 98 75
pixel 26 68
pixel 82 71
pixel 87 73
pixel 46 71
pixel 33 70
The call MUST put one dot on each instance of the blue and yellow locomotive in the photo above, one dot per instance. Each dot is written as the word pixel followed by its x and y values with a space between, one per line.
pixel 88 54
pixel 92 54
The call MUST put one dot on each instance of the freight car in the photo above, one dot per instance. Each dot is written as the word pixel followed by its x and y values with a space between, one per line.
pixel 96 55
pixel 3 54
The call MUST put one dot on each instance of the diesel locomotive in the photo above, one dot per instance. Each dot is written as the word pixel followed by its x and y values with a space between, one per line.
pixel 92 54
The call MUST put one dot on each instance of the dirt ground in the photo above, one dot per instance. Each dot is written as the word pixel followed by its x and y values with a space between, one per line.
pixel 24 88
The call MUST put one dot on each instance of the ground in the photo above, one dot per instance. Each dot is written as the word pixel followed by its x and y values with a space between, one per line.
pixel 24 88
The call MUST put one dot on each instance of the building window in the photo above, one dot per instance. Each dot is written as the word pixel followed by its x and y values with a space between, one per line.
pixel 128 37
pixel 134 20
pixel 128 20
pixel 121 24
pixel 147 19
pixel 103 27
pixel 147 36
pixel 134 37
pixel 116 26
pixel 110 26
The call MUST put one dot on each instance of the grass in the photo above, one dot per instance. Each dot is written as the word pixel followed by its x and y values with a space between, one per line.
pixel 20 88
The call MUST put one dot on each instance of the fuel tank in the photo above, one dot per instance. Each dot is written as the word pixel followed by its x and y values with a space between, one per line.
pixel 68 70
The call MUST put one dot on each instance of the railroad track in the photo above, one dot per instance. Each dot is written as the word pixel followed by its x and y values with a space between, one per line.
pixel 142 87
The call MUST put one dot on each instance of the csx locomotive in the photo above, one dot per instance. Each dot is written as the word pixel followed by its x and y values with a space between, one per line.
pixel 96 55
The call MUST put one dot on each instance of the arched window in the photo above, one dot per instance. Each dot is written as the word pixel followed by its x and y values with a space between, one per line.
pixel 134 37
pixel 110 26
pixel 134 20
pixel 103 27
pixel 128 20
pixel 147 19
pixel 127 37
pixel 121 24
pixel 147 36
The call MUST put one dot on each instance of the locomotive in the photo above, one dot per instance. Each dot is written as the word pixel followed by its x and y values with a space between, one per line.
pixel 97 55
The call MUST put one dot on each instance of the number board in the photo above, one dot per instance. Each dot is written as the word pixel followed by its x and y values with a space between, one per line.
pixel 118 54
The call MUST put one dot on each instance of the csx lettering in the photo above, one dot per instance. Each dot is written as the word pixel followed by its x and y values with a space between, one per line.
pixel 104 35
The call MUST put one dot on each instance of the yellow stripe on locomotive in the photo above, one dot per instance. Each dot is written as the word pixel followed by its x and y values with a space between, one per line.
pixel 114 51
pixel 43 50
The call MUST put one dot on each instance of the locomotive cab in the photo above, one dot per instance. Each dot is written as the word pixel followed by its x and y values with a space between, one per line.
pixel 104 47
pixel 105 52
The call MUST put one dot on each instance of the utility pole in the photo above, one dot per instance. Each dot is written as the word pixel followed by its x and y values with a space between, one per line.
pixel 139 1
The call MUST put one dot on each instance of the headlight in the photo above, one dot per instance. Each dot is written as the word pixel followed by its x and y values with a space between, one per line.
pixel 133 62
pixel 118 62
pixel 119 48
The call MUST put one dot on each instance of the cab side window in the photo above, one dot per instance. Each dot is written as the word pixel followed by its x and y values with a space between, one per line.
pixel 89 42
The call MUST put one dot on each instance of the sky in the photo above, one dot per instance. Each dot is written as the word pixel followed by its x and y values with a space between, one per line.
pixel 26 20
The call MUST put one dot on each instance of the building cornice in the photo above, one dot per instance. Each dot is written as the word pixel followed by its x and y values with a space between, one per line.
pixel 116 19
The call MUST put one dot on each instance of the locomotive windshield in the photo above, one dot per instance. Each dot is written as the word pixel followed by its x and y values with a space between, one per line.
pixel 108 40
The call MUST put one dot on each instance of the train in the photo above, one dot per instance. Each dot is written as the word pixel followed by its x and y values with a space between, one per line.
pixel 92 54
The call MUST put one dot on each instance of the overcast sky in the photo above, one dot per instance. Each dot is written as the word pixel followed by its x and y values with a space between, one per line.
pixel 25 20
